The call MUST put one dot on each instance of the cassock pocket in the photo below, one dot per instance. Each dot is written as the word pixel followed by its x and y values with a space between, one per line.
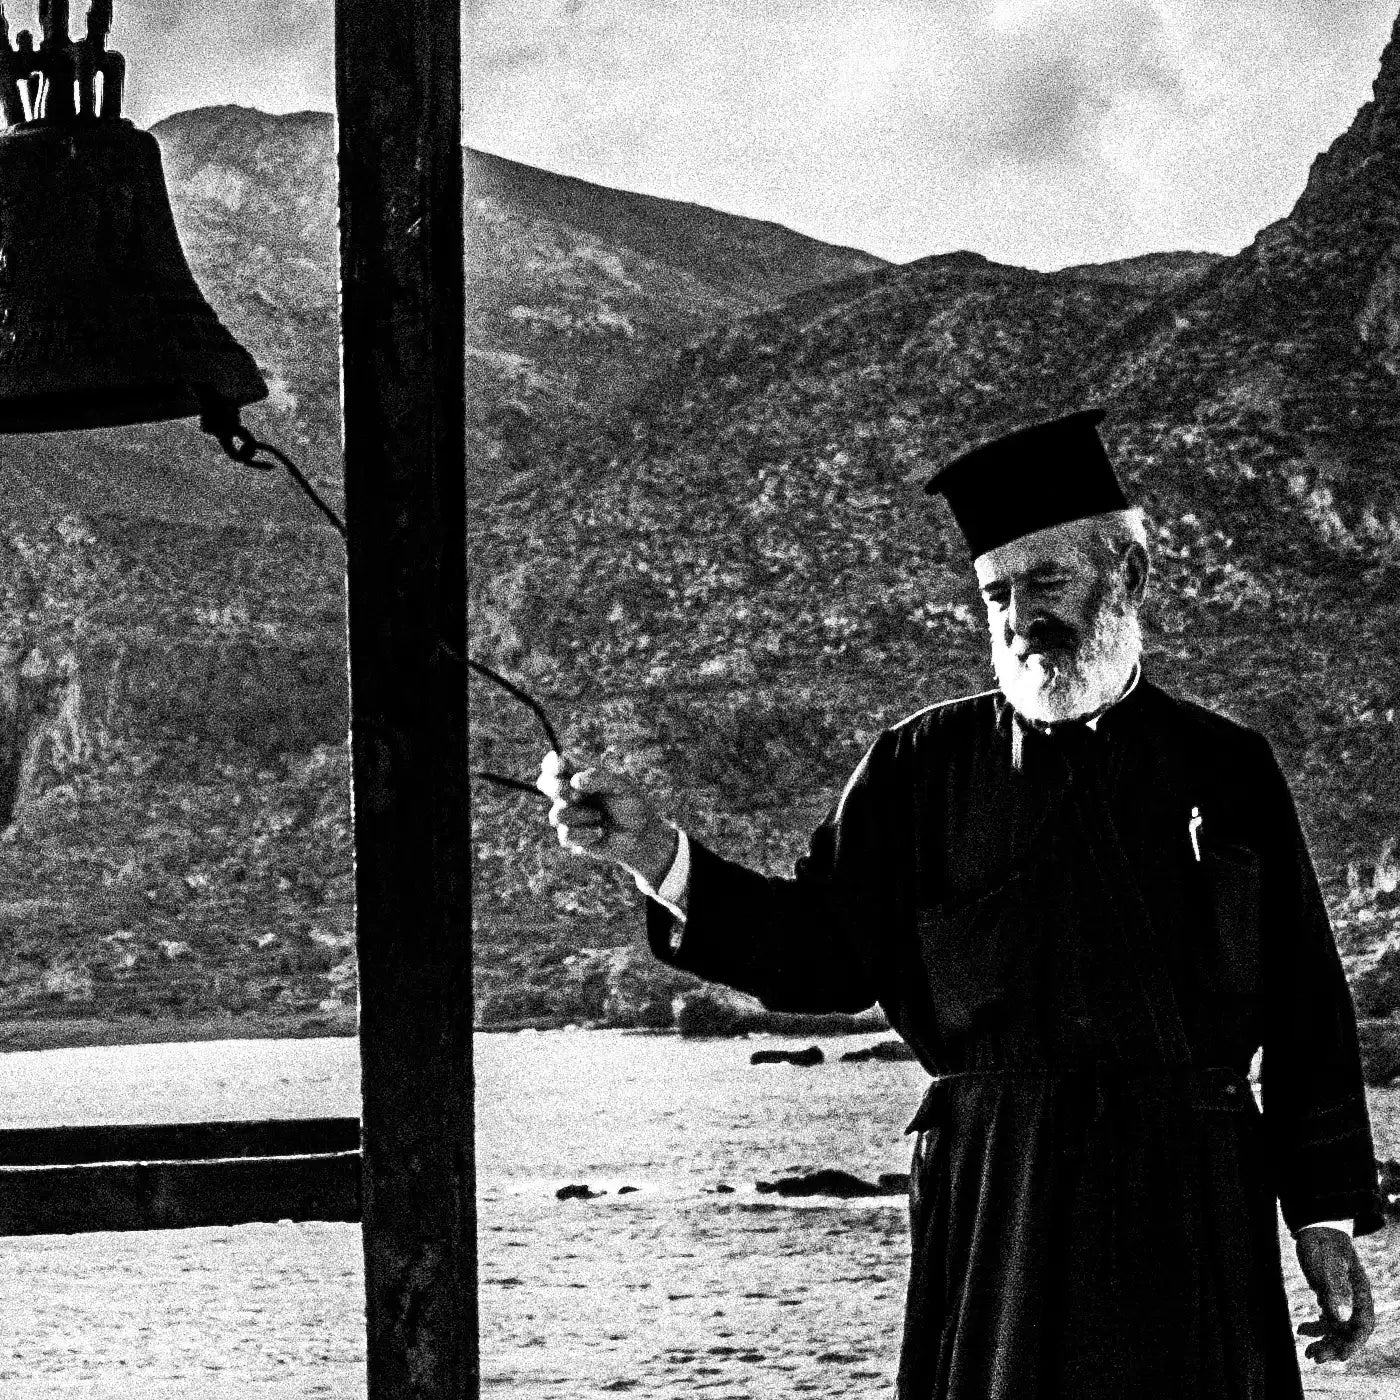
pixel 1232 886
pixel 970 952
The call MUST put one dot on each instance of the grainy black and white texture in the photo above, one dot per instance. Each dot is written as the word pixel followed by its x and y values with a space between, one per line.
pixel 695 442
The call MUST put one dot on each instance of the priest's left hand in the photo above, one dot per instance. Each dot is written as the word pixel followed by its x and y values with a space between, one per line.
pixel 1330 1264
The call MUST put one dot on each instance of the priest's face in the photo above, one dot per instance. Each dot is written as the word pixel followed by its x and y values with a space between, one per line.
pixel 1062 607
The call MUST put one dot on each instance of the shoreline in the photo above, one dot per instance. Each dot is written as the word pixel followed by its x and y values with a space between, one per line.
pixel 74 1033
pixel 1380 1039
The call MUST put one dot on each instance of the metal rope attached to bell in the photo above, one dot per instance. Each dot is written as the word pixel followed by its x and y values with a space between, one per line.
pixel 101 321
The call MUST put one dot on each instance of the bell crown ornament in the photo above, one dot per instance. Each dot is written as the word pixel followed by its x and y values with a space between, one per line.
pixel 101 321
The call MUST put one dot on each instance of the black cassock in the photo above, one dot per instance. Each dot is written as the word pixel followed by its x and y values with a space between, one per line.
pixel 1092 1194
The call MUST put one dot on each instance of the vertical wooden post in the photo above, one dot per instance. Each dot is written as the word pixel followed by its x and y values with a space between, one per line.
pixel 398 95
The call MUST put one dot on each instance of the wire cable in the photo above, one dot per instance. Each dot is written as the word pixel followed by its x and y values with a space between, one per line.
pixel 220 420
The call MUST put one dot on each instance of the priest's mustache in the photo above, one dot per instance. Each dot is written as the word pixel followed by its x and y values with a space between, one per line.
pixel 1043 634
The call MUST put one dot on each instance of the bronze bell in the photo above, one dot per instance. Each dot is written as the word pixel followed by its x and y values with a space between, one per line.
pixel 101 321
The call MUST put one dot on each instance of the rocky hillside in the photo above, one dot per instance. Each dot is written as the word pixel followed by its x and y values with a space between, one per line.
pixel 738 582
pixel 697 444
pixel 173 785
pixel 576 295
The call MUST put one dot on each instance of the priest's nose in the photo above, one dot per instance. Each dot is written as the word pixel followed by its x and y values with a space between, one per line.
pixel 1021 616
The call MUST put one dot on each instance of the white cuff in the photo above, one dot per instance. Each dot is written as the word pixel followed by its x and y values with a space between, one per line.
pixel 1345 1226
pixel 674 890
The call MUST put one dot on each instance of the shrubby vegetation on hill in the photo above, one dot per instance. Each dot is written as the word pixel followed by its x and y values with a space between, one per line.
pixel 698 532
pixel 173 779
pixel 735 585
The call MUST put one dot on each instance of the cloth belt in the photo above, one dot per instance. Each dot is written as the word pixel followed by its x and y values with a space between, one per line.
pixel 1211 1087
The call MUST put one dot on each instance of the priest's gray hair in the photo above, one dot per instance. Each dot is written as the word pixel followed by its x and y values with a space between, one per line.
pixel 1106 538
pixel 1119 530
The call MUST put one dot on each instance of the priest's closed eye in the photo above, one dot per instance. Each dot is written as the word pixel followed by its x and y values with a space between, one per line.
pixel 999 595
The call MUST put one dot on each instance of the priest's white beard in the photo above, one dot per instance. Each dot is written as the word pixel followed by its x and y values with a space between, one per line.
pixel 1050 689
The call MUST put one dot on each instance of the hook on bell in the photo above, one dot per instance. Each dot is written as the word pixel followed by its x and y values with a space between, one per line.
pixel 101 321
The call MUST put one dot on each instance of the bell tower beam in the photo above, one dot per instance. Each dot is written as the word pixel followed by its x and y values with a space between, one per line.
pixel 398 97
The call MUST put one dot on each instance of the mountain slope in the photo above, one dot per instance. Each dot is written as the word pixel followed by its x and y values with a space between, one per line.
pixel 172 672
pixel 697 447
pixel 735 585
pixel 1295 342
pixel 576 295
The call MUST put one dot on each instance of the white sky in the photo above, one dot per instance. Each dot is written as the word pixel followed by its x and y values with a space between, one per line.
pixel 1039 132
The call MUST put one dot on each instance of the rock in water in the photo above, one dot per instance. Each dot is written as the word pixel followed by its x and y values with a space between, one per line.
pixel 577 1191
pixel 828 1181
pixel 704 1013
pixel 881 1050
pixel 718 1011
pixel 812 1055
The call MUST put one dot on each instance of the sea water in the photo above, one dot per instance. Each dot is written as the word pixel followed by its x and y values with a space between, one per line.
pixel 695 1281
pixel 674 1288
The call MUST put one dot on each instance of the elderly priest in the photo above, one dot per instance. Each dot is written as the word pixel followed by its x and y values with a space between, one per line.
pixel 1086 904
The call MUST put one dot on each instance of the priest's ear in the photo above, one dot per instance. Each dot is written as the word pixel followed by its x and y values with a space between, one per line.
pixel 1137 568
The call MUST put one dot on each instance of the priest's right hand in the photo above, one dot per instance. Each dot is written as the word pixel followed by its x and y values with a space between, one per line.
pixel 598 813
pixel 1336 1274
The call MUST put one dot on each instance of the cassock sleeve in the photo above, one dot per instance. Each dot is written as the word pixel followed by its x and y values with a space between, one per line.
pixel 1314 1099
pixel 809 943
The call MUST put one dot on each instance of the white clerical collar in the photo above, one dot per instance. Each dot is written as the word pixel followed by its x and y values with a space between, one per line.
pixel 1127 691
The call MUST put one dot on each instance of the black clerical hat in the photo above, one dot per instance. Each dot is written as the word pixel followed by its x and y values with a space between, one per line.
pixel 1038 476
